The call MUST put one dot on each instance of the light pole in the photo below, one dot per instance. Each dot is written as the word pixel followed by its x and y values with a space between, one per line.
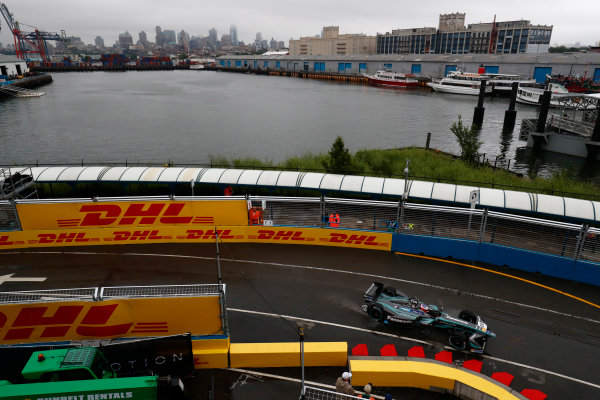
pixel 301 334
pixel 405 195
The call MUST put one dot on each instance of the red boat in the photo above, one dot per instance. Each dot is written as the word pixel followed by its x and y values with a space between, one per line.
pixel 394 79
pixel 576 84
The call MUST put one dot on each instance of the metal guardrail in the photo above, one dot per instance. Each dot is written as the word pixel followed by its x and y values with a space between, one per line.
pixel 128 292
pixel 313 393
pixel 534 234
pixel 110 293
pixel 46 296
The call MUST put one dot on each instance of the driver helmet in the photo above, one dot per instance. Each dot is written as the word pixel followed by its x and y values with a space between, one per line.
pixel 424 308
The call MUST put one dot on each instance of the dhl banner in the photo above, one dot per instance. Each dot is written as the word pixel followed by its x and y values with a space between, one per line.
pixel 79 320
pixel 192 234
pixel 129 214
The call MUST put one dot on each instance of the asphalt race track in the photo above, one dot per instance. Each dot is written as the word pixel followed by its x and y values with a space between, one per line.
pixel 548 330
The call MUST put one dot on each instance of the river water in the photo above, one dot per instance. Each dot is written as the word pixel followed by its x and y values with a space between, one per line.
pixel 189 116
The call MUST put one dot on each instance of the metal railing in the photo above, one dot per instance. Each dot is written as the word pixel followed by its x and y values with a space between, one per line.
pixel 129 292
pixel 9 218
pixel 46 296
pixel 313 393
pixel 534 234
pixel 110 293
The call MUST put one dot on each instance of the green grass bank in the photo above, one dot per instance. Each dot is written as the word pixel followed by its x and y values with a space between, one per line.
pixel 429 165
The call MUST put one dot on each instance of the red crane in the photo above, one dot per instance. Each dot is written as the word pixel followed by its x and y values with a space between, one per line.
pixel 29 43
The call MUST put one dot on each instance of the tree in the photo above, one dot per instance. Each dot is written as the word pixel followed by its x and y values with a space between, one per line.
pixel 339 160
pixel 468 140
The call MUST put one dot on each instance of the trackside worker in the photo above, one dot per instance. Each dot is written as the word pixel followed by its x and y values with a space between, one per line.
pixel 342 385
pixel 255 216
pixel 334 220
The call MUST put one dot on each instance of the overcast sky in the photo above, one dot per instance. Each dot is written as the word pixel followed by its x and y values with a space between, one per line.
pixel 573 22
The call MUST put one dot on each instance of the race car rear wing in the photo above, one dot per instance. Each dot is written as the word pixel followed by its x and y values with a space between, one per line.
pixel 373 292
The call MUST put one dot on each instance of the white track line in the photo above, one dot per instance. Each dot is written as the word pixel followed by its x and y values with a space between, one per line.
pixel 412 340
pixel 327 270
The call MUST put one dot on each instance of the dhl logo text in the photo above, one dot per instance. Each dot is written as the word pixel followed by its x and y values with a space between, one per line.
pixel 353 239
pixel 280 235
pixel 133 214
pixel 57 325
pixel 366 240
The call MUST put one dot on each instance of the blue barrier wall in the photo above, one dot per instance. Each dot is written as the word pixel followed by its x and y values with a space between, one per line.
pixel 525 260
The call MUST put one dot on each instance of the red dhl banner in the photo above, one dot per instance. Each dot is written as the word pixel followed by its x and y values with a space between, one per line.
pixel 132 214
pixel 79 320
pixel 187 234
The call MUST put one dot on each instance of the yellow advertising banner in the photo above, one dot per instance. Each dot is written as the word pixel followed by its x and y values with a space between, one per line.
pixel 79 320
pixel 190 234
pixel 129 214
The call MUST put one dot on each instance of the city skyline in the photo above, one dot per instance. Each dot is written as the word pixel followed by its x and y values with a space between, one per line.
pixel 94 18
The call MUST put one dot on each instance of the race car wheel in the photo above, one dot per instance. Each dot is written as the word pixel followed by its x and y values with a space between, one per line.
pixel 468 316
pixel 376 313
pixel 457 342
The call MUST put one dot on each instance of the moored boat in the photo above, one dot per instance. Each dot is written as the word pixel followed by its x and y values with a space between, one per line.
pixel 561 97
pixel 459 82
pixel 393 79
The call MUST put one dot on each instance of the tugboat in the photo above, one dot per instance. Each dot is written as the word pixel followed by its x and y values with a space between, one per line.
pixel 393 79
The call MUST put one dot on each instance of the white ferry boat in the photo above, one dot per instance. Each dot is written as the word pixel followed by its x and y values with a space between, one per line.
pixel 394 79
pixel 459 82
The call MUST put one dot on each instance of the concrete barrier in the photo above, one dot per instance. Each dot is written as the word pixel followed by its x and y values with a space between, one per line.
pixel 262 355
pixel 211 353
pixel 429 375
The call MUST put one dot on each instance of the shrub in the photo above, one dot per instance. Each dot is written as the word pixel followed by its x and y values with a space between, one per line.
pixel 468 140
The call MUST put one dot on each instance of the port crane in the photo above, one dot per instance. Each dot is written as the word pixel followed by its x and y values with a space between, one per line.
pixel 30 43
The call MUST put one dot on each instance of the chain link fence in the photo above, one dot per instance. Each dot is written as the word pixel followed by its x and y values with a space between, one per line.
pixel 535 234
pixel 9 219
pixel 313 393
pixel 45 296
pixel 128 292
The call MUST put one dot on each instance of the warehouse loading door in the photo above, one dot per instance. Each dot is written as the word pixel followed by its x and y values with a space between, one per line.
pixel 449 68
pixel 540 74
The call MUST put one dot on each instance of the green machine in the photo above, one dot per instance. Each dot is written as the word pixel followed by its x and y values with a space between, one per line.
pixel 83 374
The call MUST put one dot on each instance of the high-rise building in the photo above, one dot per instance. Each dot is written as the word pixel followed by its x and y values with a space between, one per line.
pixel 233 34
pixel 226 40
pixel 160 37
pixel 170 36
pixel 183 40
pixel 99 42
pixel 453 37
pixel 125 40
pixel 143 38
pixel 212 36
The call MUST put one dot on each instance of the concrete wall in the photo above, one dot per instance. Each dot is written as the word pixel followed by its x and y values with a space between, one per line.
pixel 525 260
